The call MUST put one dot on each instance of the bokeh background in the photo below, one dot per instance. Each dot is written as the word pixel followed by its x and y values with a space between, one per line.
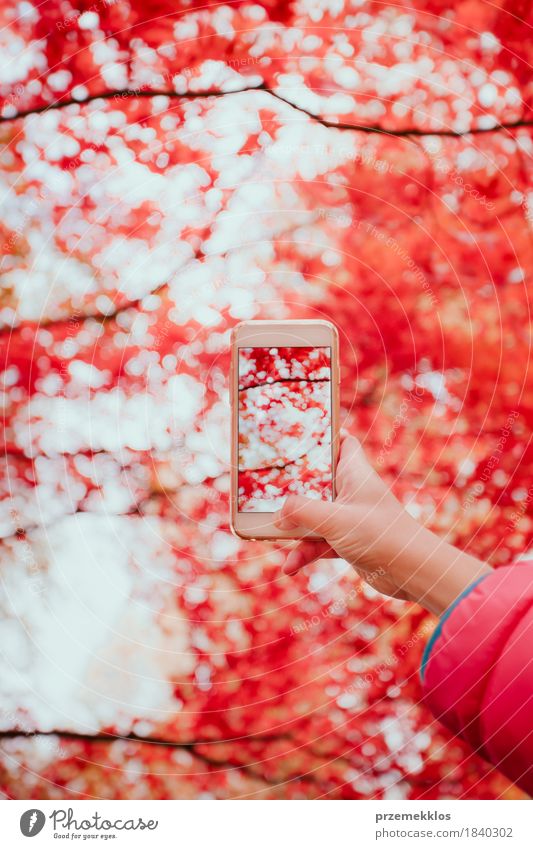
pixel 169 169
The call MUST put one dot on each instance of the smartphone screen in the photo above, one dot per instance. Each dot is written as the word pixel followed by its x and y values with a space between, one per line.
pixel 284 420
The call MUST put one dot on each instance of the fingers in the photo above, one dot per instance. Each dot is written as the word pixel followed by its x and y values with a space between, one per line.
pixel 308 513
pixel 304 553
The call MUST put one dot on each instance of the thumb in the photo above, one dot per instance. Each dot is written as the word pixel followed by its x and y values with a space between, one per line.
pixel 309 513
pixel 352 456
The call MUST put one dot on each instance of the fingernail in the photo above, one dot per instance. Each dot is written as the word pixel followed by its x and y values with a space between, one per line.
pixel 292 564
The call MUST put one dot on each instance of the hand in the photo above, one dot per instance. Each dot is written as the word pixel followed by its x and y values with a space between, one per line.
pixel 368 527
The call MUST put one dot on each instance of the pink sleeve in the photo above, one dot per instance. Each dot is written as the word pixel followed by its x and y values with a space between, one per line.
pixel 478 670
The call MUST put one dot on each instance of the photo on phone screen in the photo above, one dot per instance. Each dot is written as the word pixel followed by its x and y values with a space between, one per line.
pixel 284 418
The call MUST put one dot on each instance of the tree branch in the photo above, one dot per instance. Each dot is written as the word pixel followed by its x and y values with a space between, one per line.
pixel 191 746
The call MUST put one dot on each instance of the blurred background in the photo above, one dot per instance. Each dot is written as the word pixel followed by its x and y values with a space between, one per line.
pixel 169 169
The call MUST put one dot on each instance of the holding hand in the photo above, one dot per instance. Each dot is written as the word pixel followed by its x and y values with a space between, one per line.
pixel 368 527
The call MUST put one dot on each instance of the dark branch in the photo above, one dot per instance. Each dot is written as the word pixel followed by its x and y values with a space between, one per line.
pixel 103 737
pixel 338 125
pixel 123 94
pixel 221 766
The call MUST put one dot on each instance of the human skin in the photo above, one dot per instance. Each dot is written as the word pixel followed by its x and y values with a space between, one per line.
pixel 368 527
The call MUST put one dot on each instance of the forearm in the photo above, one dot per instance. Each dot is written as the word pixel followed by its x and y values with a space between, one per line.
pixel 429 570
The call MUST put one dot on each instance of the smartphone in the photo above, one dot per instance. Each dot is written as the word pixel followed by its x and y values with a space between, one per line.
pixel 285 413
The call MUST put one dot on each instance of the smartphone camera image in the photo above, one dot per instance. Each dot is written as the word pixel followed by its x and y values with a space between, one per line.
pixel 284 400
pixel 284 426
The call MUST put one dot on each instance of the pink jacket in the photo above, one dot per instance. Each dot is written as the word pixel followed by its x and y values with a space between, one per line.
pixel 477 670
